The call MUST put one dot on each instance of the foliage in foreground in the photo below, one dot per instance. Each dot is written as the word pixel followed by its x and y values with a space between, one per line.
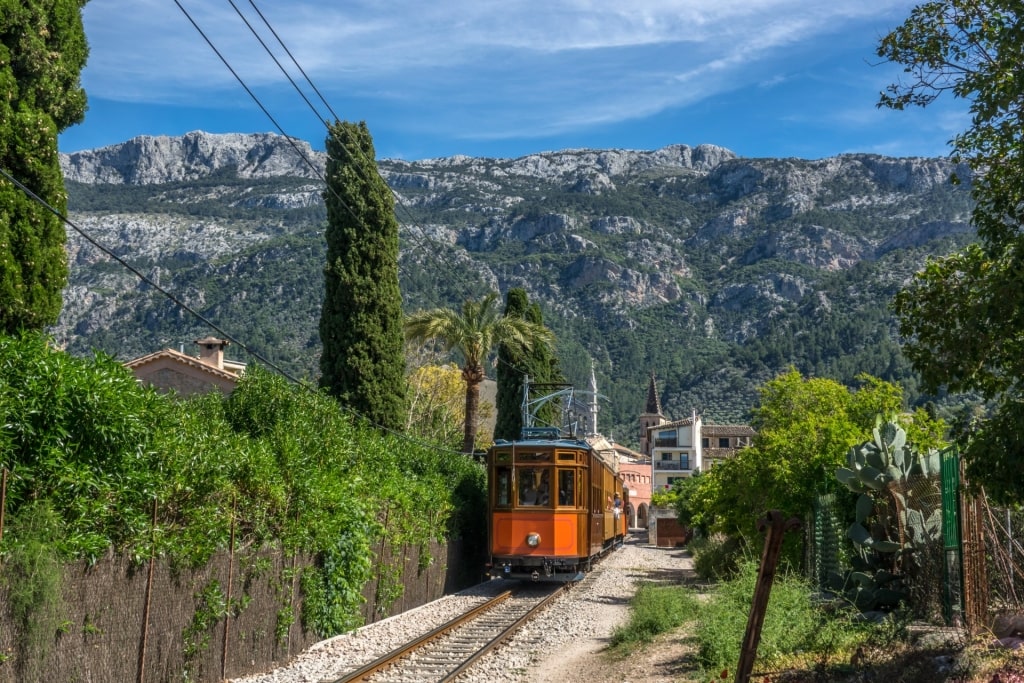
pixel 805 427
pixel 284 461
pixel 802 640
pixel 962 314
pixel 797 632
pixel 794 626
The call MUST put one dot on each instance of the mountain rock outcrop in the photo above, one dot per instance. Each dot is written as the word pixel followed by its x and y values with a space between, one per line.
pixel 689 261
pixel 149 160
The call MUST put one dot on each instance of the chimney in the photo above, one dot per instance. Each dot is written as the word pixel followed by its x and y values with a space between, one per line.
pixel 211 351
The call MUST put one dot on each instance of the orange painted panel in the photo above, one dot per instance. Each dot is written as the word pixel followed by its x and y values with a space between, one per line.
pixel 559 535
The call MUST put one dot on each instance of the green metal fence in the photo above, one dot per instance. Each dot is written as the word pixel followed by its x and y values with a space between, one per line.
pixel 953 560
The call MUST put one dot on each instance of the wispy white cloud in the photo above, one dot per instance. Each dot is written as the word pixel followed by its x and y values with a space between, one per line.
pixel 148 47
pixel 476 69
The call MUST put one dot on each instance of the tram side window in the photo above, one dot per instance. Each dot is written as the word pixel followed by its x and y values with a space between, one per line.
pixel 502 486
pixel 567 488
pixel 534 487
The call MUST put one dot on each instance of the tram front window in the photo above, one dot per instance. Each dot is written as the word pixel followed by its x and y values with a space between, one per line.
pixel 534 487
pixel 567 488
pixel 502 486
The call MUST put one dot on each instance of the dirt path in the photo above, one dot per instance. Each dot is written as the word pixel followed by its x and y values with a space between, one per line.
pixel 587 660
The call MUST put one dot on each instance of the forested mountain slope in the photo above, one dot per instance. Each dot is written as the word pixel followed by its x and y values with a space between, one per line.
pixel 713 271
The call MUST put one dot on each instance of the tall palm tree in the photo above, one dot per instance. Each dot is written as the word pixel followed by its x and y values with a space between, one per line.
pixel 475 333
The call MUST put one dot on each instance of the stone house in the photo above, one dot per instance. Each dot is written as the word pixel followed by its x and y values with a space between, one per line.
pixel 171 371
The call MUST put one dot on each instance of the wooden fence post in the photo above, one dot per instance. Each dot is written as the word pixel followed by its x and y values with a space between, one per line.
pixel 3 500
pixel 149 596
pixel 776 527
pixel 227 599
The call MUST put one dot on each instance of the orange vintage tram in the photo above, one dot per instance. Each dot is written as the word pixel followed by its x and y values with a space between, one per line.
pixel 555 505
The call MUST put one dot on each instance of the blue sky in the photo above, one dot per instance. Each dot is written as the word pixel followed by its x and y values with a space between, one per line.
pixel 764 78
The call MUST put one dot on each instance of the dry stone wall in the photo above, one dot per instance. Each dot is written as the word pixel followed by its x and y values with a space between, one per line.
pixel 109 633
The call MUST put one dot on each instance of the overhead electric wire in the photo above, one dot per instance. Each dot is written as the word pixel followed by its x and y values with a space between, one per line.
pixel 315 170
pixel 294 61
pixel 140 275
pixel 280 129
pixel 279 66
pixel 354 156
pixel 290 139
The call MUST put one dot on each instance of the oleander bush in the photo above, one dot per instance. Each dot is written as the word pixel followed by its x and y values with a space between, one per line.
pixel 282 460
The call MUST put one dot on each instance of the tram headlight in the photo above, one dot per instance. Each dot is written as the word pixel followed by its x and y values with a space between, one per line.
pixel 533 540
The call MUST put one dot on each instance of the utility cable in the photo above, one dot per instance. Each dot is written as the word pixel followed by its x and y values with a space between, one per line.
pixel 290 139
pixel 279 66
pixel 140 275
pixel 294 61
pixel 256 99
pixel 199 316
pixel 352 156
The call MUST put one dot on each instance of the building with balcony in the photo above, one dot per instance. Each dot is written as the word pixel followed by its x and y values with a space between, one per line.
pixel 679 448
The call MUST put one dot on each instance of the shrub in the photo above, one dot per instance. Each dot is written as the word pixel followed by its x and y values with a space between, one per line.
pixel 281 462
pixel 794 626
pixel 715 557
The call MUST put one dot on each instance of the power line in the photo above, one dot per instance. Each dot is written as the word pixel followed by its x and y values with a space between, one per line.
pixel 291 141
pixel 280 129
pixel 294 61
pixel 178 302
pixel 355 156
pixel 279 66
pixel 352 155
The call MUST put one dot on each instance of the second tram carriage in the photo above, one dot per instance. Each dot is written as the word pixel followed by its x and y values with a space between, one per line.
pixel 555 505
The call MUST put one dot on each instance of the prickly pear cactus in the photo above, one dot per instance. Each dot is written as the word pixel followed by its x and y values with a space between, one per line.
pixel 883 470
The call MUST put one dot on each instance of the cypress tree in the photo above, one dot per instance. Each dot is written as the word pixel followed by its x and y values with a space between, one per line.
pixel 539 363
pixel 543 364
pixel 508 423
pixel 42 53
pixel 363 360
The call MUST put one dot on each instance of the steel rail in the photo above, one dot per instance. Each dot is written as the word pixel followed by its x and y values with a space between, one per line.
pixel 400 652
pixel 504 635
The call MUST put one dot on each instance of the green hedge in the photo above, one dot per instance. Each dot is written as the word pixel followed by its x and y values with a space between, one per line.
pixel 282 460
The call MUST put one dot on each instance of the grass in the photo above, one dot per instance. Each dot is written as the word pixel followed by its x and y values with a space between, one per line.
pixel 656 609
pixel 798 633
pixel 803 640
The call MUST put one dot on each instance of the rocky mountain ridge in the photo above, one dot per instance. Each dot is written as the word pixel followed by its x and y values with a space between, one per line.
pixel 711 270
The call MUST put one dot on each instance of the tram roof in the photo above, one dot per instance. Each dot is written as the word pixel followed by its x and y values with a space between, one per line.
pixel 566 442
pixel 600 446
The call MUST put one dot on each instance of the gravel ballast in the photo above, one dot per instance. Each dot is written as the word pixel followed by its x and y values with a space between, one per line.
pixel 559 645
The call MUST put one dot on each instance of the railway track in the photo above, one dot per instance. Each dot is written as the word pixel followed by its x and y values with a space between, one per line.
pixel 453 647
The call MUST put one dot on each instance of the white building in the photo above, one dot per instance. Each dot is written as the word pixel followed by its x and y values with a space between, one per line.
pixel 680 448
